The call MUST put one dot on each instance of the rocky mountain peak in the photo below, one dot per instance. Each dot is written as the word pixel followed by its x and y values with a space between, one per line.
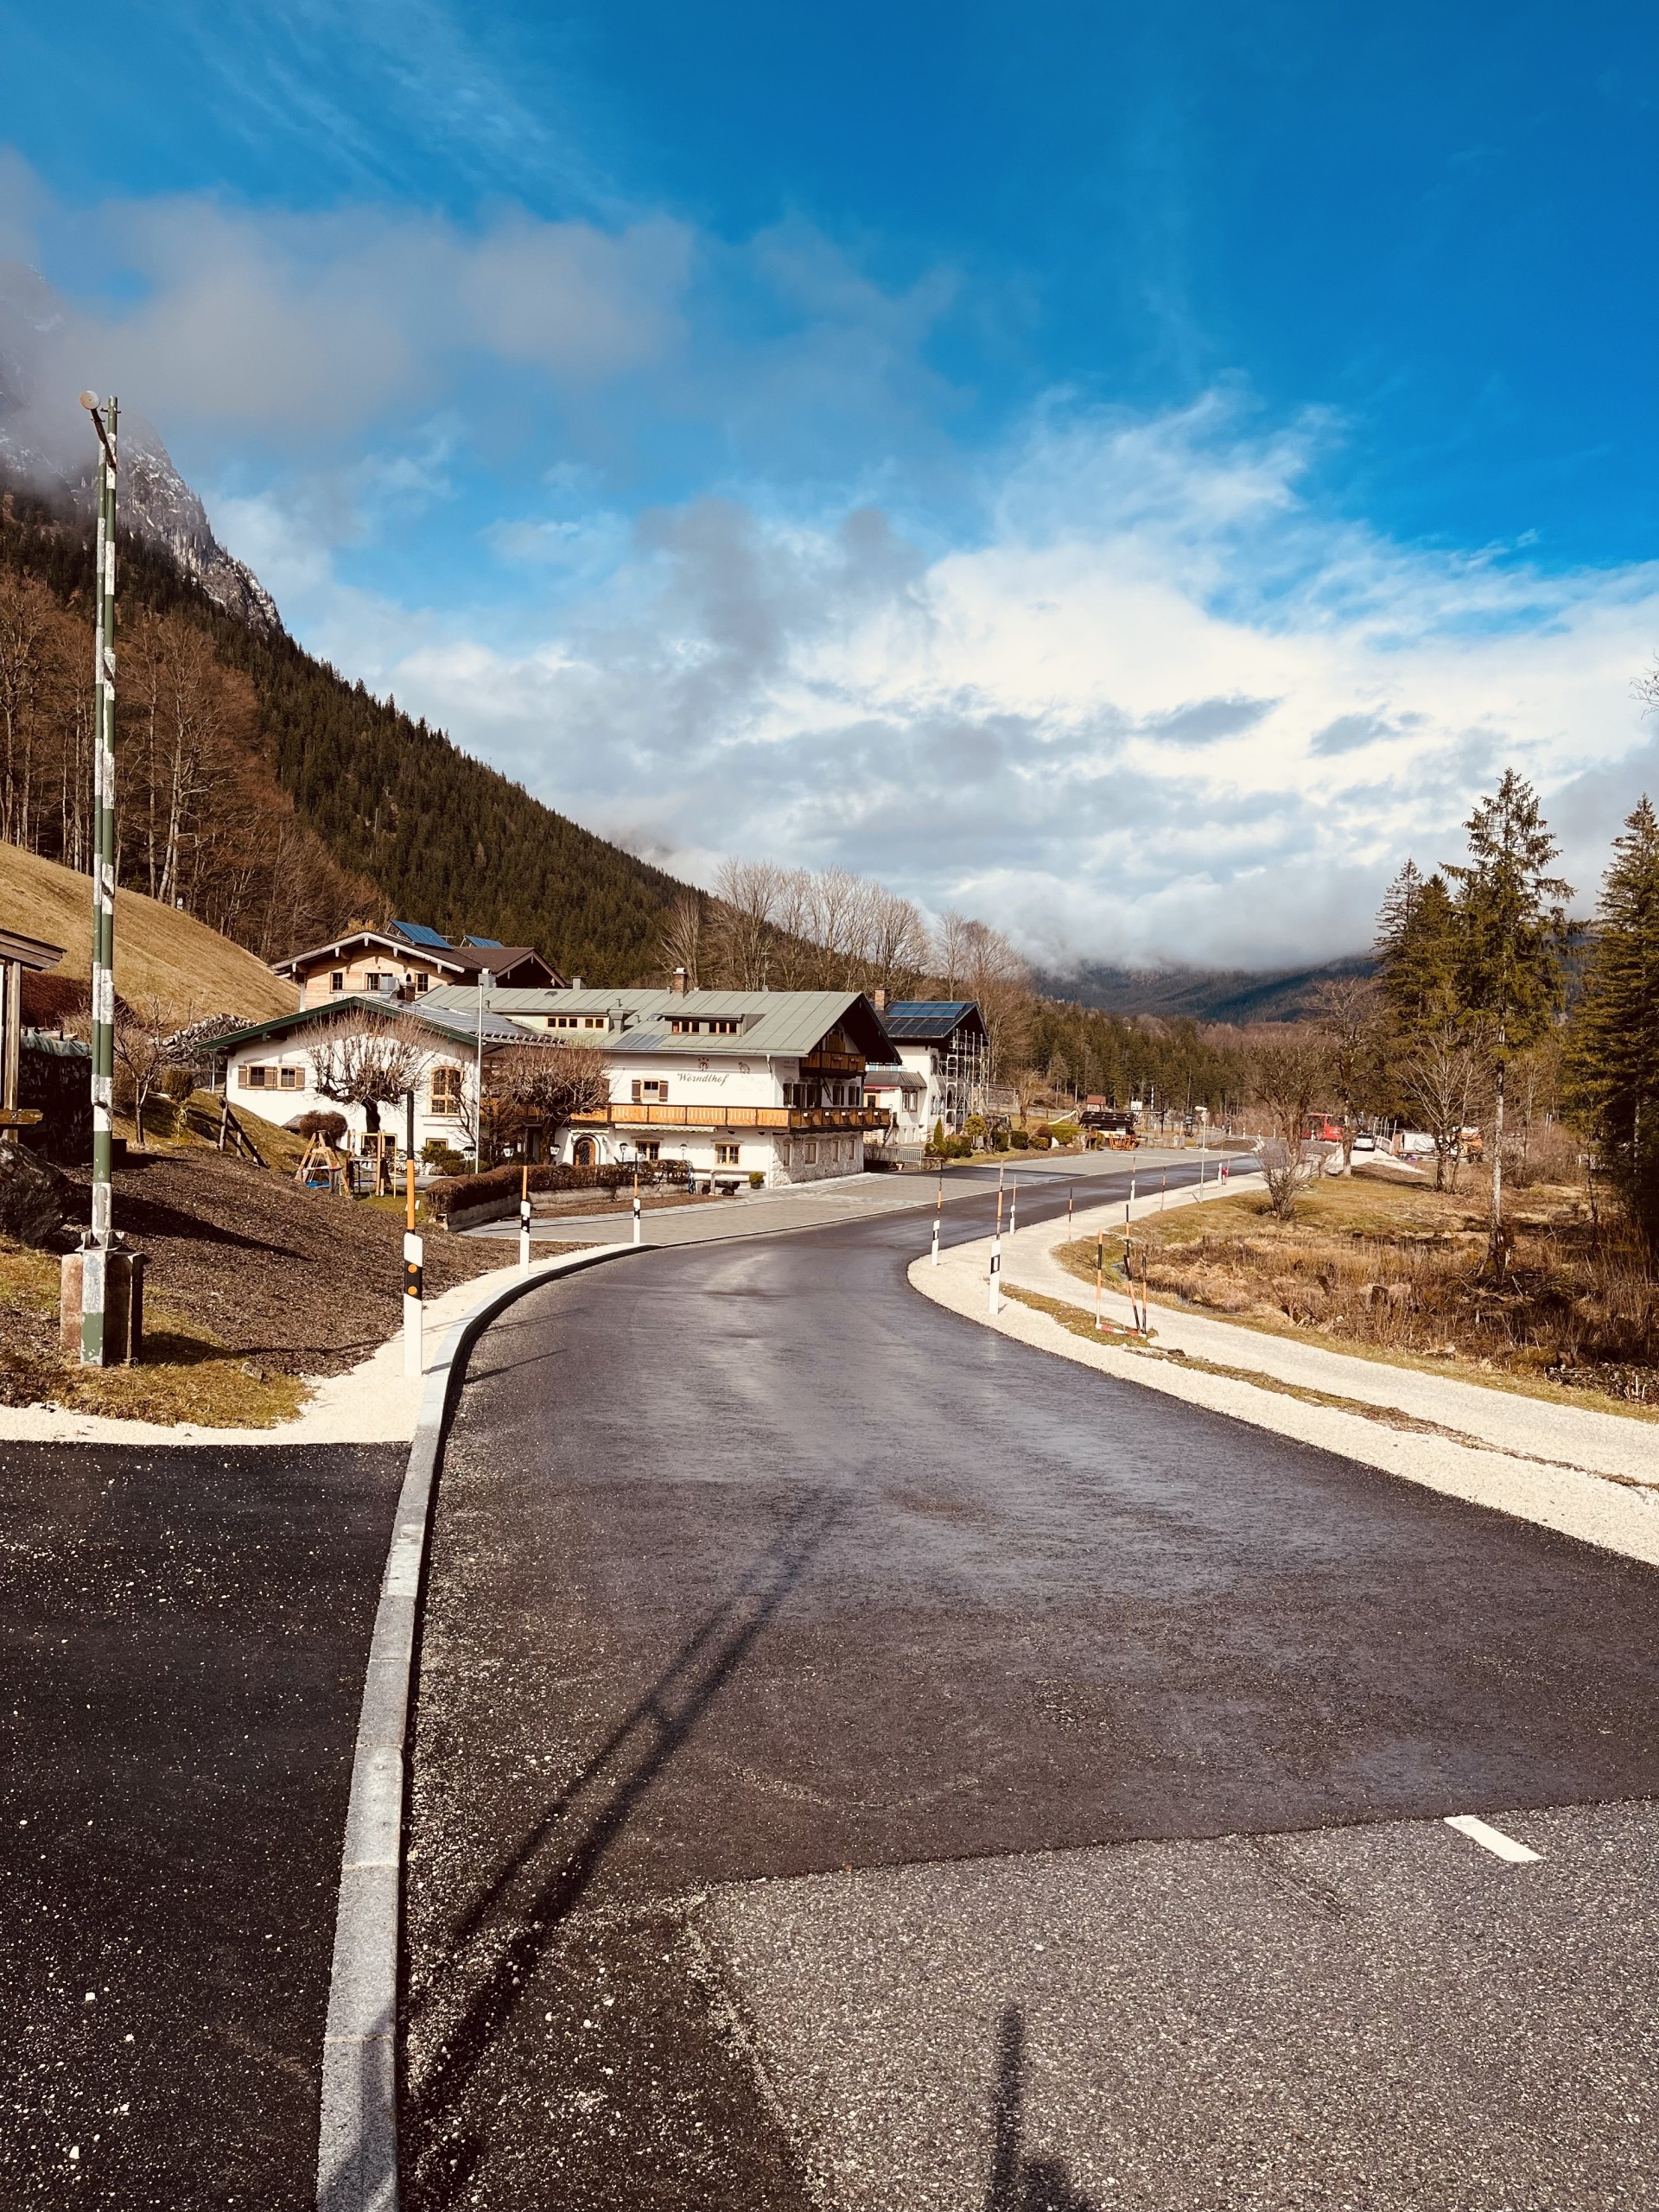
pixel 47 447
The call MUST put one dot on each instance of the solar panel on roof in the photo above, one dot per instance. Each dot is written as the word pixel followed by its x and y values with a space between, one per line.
pixel 418 933
pixel 498 943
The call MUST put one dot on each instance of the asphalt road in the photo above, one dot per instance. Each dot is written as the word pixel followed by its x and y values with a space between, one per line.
pixel 864 1762
pixel 184 1635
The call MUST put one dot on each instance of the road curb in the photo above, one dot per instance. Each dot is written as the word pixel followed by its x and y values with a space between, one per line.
pixel 357 2149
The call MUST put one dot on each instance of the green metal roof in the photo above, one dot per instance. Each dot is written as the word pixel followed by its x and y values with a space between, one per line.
pixel 784 1024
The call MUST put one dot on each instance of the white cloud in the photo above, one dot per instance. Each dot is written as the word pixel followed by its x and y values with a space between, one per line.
pixel 1163 709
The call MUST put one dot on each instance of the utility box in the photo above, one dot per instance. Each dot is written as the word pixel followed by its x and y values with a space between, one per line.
pixel 124 1304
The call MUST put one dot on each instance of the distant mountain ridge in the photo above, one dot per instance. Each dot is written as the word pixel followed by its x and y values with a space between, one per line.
pixel 1235 996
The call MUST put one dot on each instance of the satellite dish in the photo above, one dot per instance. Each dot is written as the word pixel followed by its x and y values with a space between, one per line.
pixel 89 399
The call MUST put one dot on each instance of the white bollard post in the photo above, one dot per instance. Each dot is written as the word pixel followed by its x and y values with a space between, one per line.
pixel 1013 1206
pixel 997 1277
pixel 414 1256
pixel 637 1231
pixel 936 1240
pixel 414 1285
pixel 523 1220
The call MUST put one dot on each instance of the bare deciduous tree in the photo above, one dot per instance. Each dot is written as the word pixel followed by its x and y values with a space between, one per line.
pixel 1288 1079
pixel 144 1030
pixel 542 1086
pixel 684 936
pixel 369 1061
pixel 744 921
pixel 1440 1080
pixel 989 971
pixel 1350 1018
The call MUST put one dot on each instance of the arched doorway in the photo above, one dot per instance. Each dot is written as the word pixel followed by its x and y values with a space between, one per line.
pixel 585 1152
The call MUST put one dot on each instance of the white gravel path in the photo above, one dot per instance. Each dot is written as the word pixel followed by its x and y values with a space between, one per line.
pixel 1591 1475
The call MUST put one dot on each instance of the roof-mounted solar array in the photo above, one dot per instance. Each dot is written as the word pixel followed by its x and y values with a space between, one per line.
pixel 495 943
pixel 418 933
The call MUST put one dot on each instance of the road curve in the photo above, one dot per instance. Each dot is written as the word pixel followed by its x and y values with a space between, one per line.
pixel 750 1566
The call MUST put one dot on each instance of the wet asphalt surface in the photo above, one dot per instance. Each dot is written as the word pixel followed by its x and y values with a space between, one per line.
pixel 185 1632
pixel 865 1762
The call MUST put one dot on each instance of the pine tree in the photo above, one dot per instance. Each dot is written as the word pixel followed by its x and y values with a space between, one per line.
pixel 1513 933
pixel 1432 1058
pixel 1418 954
pixel 1613 1043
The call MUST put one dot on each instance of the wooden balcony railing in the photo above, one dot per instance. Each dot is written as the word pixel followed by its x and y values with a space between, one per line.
pixel 736 1117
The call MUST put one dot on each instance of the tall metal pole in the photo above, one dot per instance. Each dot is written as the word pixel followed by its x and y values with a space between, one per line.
pixel 94 1263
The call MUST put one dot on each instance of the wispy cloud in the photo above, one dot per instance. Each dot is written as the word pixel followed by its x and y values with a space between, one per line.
pixel 1162 708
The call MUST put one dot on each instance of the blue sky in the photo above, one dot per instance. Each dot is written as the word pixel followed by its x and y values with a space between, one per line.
pixel 1131 472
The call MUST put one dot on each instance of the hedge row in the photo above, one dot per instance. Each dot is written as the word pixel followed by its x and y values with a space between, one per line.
pixel 453 1193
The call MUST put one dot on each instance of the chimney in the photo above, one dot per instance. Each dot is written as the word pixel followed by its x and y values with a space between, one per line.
pixel 679 982
pixel 880 997
pixel 575 982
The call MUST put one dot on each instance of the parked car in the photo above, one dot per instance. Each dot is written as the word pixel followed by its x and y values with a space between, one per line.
pixel 1364 1142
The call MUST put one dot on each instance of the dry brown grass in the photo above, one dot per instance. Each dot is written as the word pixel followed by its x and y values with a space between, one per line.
pixel 187 1374
pixel 1401 1273
pixel 159 952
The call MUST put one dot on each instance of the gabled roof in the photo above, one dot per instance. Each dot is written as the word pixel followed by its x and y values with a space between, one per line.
pixel 455 1026
pixel 786 1024
pixel 477 957
pixel 925 1021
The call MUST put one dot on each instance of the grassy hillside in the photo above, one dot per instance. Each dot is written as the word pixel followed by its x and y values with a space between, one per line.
pixel 158 952
pixel 444 838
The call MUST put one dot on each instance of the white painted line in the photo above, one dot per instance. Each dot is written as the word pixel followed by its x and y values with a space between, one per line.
pixel 1493 1839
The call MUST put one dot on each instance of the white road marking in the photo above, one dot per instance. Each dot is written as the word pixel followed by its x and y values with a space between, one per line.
pixel 1494 1840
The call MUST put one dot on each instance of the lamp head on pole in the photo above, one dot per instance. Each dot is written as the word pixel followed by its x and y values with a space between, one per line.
pixel 89 400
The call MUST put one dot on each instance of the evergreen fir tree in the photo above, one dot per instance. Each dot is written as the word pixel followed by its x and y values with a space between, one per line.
pixel 1510 942
pixel 1613 1043
pixel 1418 955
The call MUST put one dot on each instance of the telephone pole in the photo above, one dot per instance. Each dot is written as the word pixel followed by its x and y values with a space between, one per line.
pixel 94 1281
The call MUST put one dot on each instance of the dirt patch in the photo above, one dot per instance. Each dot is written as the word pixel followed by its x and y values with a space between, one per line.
pixel 251 1283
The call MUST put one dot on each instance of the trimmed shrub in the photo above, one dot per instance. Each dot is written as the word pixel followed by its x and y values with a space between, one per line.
pixel 331 1127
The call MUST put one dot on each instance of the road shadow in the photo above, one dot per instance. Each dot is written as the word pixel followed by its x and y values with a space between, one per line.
pixel 1020 2183
pixel 556 1861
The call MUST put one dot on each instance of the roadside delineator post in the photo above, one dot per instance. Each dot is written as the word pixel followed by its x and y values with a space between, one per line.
pixel 1013 1206
pixel 524 1219
pixel 413 1279
pixel 996 1252
pixel 639 1234
pixel 939 1209
pixel 1100 1279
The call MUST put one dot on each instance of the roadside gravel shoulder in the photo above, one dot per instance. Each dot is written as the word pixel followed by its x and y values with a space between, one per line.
pixel 1588 1475
pixel 375 1402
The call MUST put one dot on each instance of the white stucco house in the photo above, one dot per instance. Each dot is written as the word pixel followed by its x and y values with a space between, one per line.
pixel 270 1068
pixel 941 1050
pixel 736 1083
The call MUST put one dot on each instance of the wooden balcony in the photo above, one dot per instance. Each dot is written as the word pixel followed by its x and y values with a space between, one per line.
pixel 620 1114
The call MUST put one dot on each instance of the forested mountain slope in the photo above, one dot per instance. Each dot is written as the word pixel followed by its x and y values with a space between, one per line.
pixel 408 824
